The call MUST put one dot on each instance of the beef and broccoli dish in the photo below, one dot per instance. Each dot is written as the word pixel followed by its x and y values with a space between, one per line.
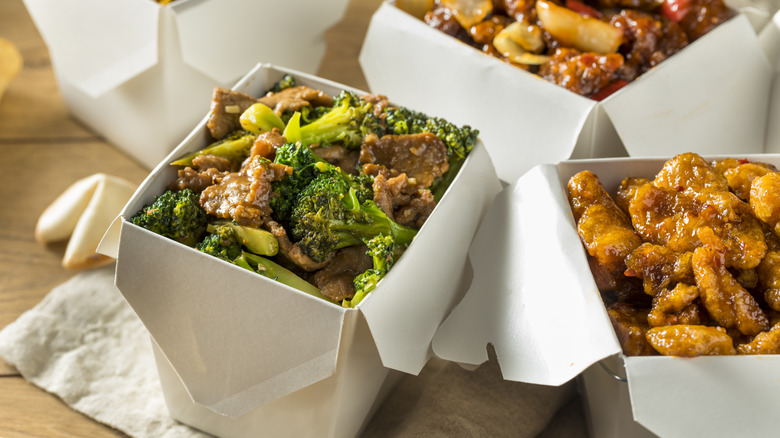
pixel 591 47
pixel 322 193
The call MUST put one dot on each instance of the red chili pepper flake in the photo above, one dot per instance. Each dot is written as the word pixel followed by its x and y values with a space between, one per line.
pixel 743 161
pixel 630 273
pixel 680 188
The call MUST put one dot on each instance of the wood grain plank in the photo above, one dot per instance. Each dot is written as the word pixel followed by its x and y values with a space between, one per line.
pixel 32 106
pixel 344 41
pixel 30 412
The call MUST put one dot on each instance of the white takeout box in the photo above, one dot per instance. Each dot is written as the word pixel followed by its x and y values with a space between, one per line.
pixel 534 298
pixel 240 354
pixel 140 74
pixel 710 98
pixel 770 43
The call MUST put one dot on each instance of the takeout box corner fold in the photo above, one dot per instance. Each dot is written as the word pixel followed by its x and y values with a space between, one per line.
pixel 530 275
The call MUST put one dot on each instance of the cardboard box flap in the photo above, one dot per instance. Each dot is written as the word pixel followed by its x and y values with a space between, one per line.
pixel 769 38
pixel 80 49
pixel 288 33
pixel 467 95
pixel 758 12
pixel 705 119
pixel 661 388
pixel 532 296
pixel 109 244
pixel 403 313
pixel 236 344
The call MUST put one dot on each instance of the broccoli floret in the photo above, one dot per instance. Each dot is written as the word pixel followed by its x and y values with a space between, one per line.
pixel 221 243
pixel 362 184
pixel 381 249
pixel 459 140
pixel 176 215
pixel 305 167
pixel 342 123
pixel 328 215
pixel 286 190
pixel 287 81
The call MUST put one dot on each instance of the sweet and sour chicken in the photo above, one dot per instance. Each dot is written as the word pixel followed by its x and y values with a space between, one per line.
pixel 688 262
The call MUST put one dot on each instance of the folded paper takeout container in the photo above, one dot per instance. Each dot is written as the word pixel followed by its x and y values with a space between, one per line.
pixel 139 73
pixel 770 43
pixel 241 355
pixel 711 97
pixel 534 298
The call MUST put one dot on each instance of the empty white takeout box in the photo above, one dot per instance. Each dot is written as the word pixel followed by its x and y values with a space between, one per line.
pixel 242 355
pixel 536 301
pixel 711 97
pixel 140 73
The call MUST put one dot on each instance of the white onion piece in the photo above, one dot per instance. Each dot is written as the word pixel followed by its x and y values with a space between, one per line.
pixel 572 29
pixel 469 12
pixel 513 43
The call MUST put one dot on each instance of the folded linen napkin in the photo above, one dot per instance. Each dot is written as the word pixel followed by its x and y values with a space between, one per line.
pixel 84 344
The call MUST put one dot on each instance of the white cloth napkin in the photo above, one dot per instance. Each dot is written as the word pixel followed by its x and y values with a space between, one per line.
pixel 84 344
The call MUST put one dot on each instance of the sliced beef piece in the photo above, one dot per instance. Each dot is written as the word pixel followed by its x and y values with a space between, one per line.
pixel 244 196
pixel 266 143
pixel 226 108
pixel 295 98
pixel 388 192
pixel 416 212
pixel 208 161
pixel 404 204
pixel 423 157
pixel 291 254
pixel 197 180
pixel 335 280
pixel 380 103
pixel 205 171
pixel 231 199
pixel 340 156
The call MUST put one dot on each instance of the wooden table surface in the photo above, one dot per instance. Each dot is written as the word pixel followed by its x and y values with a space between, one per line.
pixel 43 150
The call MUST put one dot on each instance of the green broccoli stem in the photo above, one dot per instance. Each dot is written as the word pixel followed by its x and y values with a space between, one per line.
pixel 376 221
pixel 274 271
pixel 368 282
pixel 234 147
pixel 331 127
pixel 256 240
pixel 353 233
